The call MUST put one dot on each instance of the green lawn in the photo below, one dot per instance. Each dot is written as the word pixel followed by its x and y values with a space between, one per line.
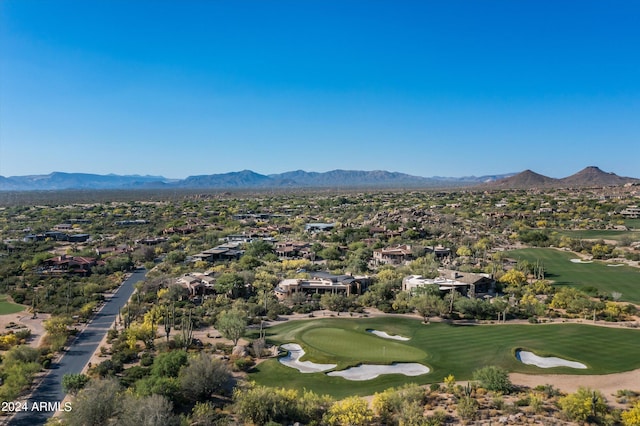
pixel 445 349
pixel 562 271
pixel 327 342
pixel 632 223
pixel 599 234
pixel 7 307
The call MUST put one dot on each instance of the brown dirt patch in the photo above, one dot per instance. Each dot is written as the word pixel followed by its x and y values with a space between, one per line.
pixel 608 384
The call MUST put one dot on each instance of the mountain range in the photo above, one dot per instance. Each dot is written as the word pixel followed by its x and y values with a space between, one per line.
pixel 247 179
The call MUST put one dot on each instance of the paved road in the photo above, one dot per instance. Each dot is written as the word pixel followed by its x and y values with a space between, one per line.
pixel 74 360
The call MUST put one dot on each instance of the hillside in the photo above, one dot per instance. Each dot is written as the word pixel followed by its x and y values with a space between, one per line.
pixel 593 176
pixel 588 177
pixel 525 179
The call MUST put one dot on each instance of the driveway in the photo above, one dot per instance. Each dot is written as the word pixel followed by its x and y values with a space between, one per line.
pixel 76 357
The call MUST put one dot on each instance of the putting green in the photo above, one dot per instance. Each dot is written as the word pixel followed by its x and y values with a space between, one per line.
pixel 335 342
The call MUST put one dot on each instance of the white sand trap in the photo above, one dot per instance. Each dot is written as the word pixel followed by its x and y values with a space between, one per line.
pixel 368 371
pixel 581 261
pixel 616 264
pixel 293 360
pixel 385 335
pixel 530 358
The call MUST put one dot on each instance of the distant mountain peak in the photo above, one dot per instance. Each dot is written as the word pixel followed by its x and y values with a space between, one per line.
pixel 591 176
pixel 524 179
pixel 248 179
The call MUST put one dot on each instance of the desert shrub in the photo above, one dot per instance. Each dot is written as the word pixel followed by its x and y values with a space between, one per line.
pixel 8 340
pixel 536 402
pixel 146 359
pixel 112 334
pixel 497 402
pixel 583 405
pixel 108 368
pixel 243 364
pixel 631 417
pixel 438 418
pixel 125 356
pixel 493 378
pixel 23 334
pixel 467 408
pixel 131 375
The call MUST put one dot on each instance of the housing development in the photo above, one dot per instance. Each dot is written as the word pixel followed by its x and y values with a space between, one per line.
pixel 504 303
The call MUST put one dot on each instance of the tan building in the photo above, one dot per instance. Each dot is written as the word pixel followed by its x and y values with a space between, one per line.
pixel 632 212
pixel 321 283
pixel 196 283
pixel 293 250
pixel 395 255
pixel 465 283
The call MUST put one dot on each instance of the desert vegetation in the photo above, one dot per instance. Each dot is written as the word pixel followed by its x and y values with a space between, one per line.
pixel 199 340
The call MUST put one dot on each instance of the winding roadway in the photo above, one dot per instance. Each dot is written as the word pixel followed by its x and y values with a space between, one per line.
pixel 77 356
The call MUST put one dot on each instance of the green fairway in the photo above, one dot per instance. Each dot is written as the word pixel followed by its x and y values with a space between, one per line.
pixel 445 349
pixel 632 224
pixel 559 268
pixel 599 234
pixel 7 307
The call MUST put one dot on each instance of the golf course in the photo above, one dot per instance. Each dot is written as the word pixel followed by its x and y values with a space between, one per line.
pixel 443 348
pixel 560 269
pixel 599 234
pixel 7 307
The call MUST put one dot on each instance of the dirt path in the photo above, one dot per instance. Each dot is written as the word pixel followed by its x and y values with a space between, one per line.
pixel 608 384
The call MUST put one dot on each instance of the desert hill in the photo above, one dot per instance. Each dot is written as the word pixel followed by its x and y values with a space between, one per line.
pixel 588 177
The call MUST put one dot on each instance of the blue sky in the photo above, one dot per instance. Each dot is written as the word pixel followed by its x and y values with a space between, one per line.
pixel 448 88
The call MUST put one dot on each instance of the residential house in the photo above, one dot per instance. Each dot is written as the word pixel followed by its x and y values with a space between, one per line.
pixel 439 252
pixel 465 283
pixel 78 238
pixel 196 283
pixel 182 230
pixel 321 283
pixel 223 252
pixel 69 264
pixel 395 255
pixel 152 241
pixel 63 227
pixel 319 227
pixel 293 250
pixel 631 212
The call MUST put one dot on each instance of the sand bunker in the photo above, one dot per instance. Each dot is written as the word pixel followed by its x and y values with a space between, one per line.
pixel 368 371
pixel 581 261
pixel 530 358
pixel 387 336
pixel 293 360
pixel 616 264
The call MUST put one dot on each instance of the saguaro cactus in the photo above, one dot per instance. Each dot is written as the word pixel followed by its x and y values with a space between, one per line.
pixel 187 331
pixel 169 320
